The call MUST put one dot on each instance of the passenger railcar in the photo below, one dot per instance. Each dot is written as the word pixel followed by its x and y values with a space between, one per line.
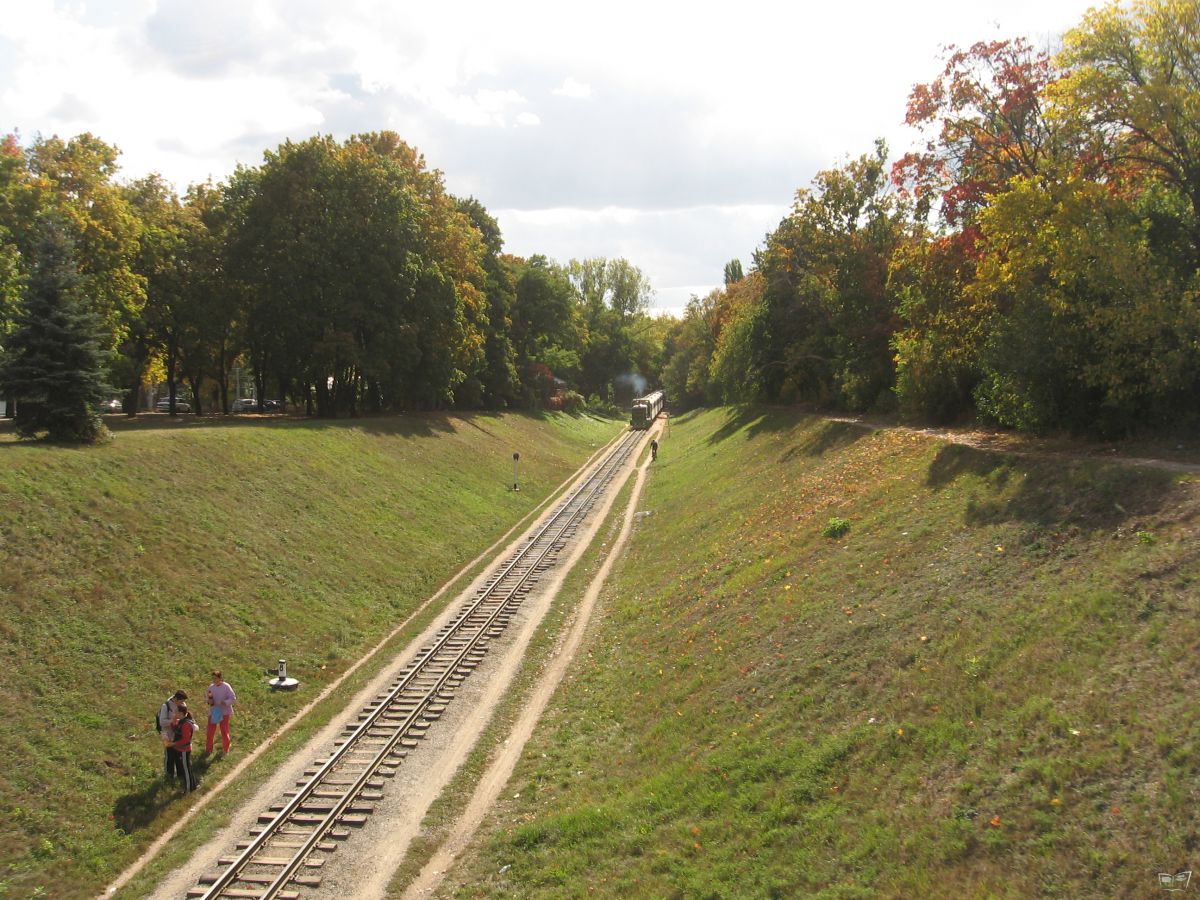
pixel 646 410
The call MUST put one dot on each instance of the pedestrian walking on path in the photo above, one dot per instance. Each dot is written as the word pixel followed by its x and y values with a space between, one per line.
pixel 220 709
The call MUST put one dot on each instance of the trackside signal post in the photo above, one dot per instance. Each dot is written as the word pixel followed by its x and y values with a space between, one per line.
pixel 281 681
pixel 516 463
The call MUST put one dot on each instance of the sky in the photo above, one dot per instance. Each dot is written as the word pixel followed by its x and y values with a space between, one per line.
pixel 672 134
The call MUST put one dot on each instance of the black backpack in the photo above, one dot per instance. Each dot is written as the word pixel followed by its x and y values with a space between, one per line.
pixel 158 717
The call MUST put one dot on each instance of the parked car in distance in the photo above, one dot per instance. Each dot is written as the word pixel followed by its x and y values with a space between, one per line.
pixel 181 405
pixel 272 406
pixel 111 406
pixel 246 404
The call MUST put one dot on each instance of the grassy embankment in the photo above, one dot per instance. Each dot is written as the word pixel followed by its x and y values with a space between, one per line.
pixel 872 664
pixel 131 569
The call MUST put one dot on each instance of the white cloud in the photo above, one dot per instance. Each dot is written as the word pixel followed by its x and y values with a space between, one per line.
pixel 480 109
pixel 576 90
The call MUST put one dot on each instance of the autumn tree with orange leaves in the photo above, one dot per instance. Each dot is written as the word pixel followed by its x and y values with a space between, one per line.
pixel 984 122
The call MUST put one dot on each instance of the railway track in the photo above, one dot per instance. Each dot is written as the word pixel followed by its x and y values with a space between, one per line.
pixel 287 850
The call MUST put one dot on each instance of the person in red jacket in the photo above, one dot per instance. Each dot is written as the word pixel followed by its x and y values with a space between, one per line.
pixel 185 727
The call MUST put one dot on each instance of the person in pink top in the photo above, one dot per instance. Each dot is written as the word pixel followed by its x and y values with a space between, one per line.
pixel 220 707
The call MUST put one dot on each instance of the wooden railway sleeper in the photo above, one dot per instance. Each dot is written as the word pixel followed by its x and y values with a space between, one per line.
pixel 311 773
pixel 324 847
pixel 337 834
pixel 305 881
pixel 392 712
pixel 427 684
pixel 364 741
pixel 239 894
pixel 320 807
pixel 369 796
pixel 312 862
pixel 387 701
pixel 398 718
pixel 339 780
pixel 352 820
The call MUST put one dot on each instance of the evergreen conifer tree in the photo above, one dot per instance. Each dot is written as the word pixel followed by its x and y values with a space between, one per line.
pixel 53 364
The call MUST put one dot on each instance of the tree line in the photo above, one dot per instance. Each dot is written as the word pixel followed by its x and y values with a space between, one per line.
pixel 342 275
pixel 1033 264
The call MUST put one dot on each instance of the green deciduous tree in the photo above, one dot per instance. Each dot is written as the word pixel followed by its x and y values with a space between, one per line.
pixel 17 210
pixel 1091 330
pixel 163 264
pixel 938 343
pixel 495 384
pixel 364 277
pixel 13 214
pixel 75 178
pixel 829 316
pixel 547 326
pixel 689 349
pixel 454 244
pixel 735 372
pixel 733 271
pixel 1132 92
pixel 210 305
pixel 612 294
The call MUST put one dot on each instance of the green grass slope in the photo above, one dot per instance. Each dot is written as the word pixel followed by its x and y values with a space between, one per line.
pixel 134 568
pixel 845 663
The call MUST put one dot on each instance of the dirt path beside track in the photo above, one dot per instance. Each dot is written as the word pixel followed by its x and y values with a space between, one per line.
pixel 1037 448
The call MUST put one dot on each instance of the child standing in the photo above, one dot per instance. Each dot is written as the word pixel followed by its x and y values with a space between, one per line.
pixel 182 745
pixel 167 717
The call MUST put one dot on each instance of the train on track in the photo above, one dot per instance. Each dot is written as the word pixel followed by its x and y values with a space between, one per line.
pixel 646 409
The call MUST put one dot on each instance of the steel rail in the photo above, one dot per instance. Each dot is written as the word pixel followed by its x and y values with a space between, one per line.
pixel 582 498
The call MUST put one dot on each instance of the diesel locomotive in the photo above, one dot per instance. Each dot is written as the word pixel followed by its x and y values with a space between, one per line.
pixel 646 410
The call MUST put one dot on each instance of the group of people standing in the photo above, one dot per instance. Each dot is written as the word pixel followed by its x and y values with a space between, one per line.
pixel 177 727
